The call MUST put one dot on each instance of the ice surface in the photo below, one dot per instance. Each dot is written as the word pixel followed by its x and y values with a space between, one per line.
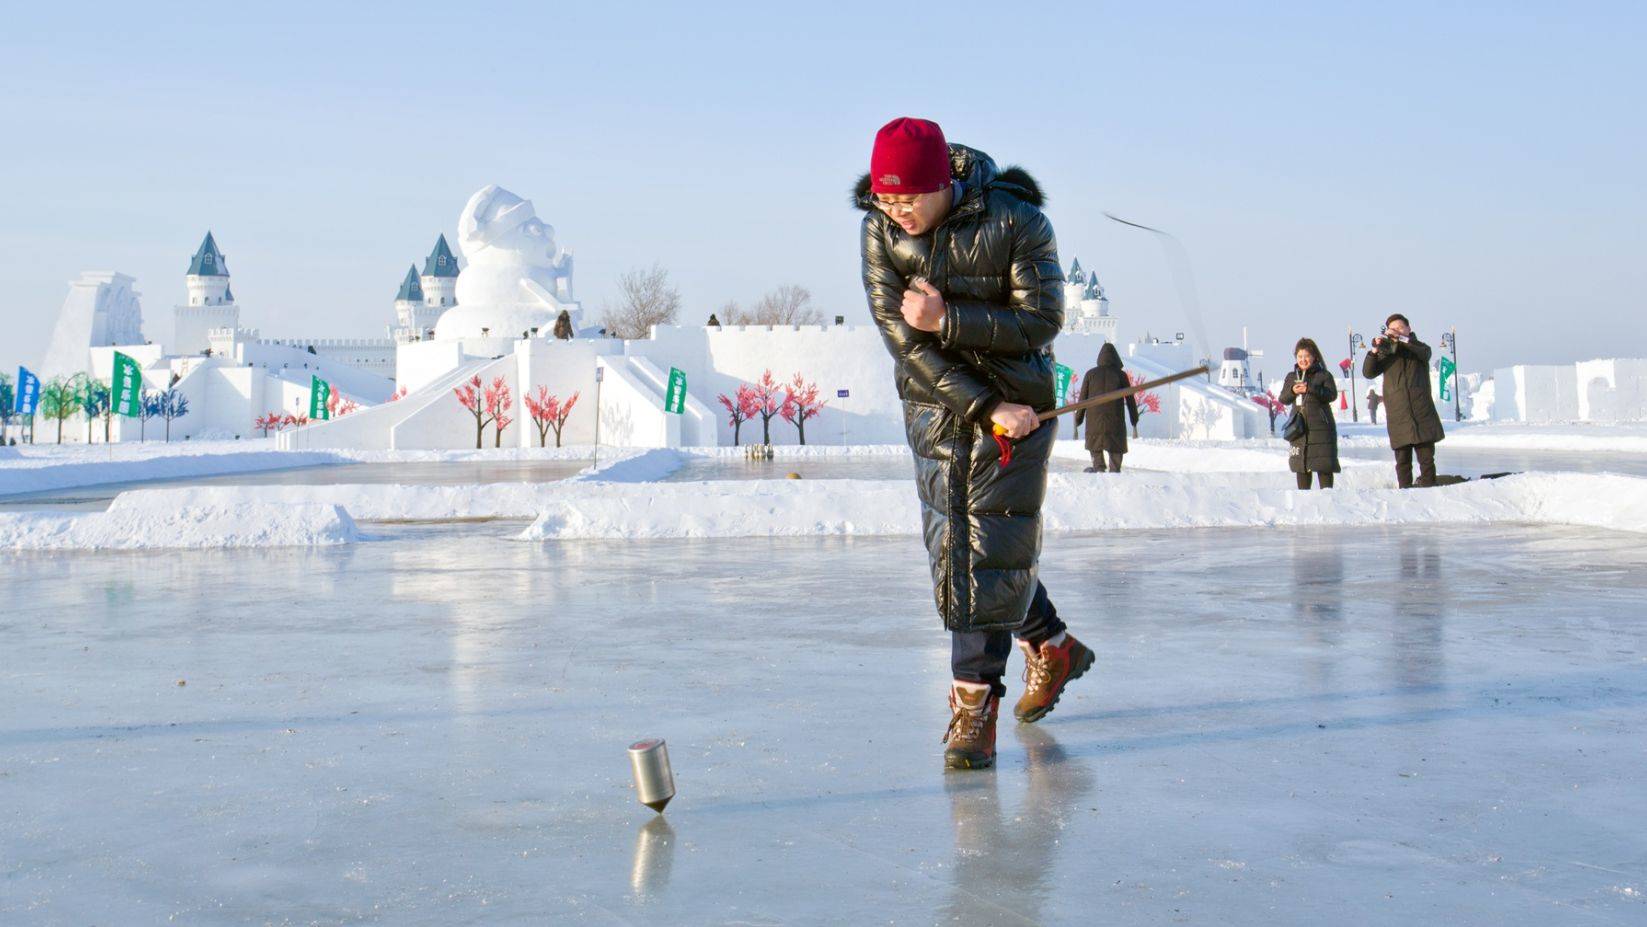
pixel 1412 725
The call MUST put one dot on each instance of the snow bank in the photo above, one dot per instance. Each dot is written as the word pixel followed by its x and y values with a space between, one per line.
pixel 370 501
pixel 136 523
pixel 1625 438
pixel 781 508
pixel 32 474
pixel 41 468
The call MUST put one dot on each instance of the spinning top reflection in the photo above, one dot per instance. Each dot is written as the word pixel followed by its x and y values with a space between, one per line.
pixel 654 780
pixel 654 857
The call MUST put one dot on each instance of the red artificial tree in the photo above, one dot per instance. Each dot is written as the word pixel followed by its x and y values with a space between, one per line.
pixel 768 404
pixel 397 394
pixel 547 413
pixel 800 402
pixel 294 420
pixel 274 421
pixel 1147 401
pixel 739 409
pixel 499 403
pixel 471 396
pixel 338 405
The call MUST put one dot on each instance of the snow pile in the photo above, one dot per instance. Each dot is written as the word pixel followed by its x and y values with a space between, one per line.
pixel 32 473
pixel 138 523
pixel 1620 438
pixel 782 508
pixel 370 501
pixel 741 508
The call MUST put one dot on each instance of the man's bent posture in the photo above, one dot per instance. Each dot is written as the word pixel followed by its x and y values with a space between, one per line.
pixel 962 274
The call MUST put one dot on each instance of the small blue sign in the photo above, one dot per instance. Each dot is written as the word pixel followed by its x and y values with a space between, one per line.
pixel 842 393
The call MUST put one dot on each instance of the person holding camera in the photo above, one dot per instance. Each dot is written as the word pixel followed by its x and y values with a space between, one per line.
pixel 1310 389
pixel 1409 413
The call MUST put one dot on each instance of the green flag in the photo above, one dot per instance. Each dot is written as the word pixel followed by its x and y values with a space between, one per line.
pixel 127 388
pixel 675 400
pixel 1065 375
pixel 1447 369
pixel 320 395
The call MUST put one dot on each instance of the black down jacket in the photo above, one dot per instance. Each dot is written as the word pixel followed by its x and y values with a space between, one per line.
pixel 1106 426
pixel 994 260
pixel 1409 412
pixel 1317 451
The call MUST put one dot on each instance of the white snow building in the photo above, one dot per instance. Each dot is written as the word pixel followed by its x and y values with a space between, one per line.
pixel 101 309
pixel 1086 307
pixel 516 280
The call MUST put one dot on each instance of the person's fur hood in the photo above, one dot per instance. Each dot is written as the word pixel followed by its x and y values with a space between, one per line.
pixel 977 173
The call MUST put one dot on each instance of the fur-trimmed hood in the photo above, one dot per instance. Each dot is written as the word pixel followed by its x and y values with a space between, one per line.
pixel 977 173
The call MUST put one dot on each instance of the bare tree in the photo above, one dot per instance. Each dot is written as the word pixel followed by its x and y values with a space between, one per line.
pixel 645 298
pixel 786 305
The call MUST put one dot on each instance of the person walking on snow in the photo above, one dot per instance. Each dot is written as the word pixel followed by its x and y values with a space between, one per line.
pixel 1409 412
pixel 961 270
pixel 1106 429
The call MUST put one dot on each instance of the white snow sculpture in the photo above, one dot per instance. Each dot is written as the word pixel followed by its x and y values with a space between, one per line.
pixel 101 309
pixel 516 278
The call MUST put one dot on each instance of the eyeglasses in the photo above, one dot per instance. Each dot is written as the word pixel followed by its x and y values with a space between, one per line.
pixel 897 208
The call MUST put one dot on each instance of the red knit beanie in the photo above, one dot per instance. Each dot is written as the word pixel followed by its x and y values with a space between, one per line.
pixel 910 156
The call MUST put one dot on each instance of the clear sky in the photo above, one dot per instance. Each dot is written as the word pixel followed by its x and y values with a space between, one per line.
pixel 1478 165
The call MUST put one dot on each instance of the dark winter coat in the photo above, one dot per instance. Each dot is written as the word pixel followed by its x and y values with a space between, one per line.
pixel 1106 425
pixel 1409 412
pixel 1317 451
pixel 994 260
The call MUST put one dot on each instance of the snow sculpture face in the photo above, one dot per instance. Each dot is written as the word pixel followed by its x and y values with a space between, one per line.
pixel 516 276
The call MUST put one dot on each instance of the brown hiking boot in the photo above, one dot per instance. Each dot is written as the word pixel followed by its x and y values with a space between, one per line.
pixel 971 734
pixel 1047 670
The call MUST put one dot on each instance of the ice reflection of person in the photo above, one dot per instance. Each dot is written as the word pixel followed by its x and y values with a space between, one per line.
pixel 1317 596
pixel 1009 857
pixel 1418 610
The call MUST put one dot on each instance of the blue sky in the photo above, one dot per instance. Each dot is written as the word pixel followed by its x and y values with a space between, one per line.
pixel 1477 165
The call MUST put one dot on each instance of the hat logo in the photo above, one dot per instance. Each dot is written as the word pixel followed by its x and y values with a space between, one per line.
pixel 892 180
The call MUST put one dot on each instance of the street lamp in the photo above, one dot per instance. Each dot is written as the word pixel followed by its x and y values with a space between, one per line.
pixel 1356 341
pixel 1449 339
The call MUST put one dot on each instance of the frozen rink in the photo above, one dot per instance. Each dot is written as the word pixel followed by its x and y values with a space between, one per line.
pixel 1302 726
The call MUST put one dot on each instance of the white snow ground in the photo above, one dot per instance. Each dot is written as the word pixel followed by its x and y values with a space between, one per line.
pixel 1167 485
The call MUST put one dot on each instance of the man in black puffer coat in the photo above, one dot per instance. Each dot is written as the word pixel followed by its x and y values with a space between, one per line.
pixel 1409 412
pixel 961 270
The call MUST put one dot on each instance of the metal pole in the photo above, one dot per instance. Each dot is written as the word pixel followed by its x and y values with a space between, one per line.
pixel 1458 407
pixel 1355 412
pixel 600 374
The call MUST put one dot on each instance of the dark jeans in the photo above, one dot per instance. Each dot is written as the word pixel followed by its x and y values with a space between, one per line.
pixel 1324 479
pixel 1404 465
pixel 981 656
pixel 1114 462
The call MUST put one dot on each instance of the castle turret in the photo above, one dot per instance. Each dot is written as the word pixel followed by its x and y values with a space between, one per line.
pixel 210 304
pixel 208 277
pixel 415 317
pixel 440 273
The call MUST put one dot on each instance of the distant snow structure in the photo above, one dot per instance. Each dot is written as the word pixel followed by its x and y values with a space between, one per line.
pixel 1086 306
pixel 516 280
pixel 101 309
pixel 210 304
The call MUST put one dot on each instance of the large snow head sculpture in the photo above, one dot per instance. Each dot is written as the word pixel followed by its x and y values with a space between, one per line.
pixel 516 277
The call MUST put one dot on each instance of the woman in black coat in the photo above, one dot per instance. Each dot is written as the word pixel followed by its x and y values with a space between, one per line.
pixel 1310 389
pixel 1106 428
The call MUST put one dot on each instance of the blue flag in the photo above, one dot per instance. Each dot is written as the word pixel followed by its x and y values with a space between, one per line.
pixel 28 392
